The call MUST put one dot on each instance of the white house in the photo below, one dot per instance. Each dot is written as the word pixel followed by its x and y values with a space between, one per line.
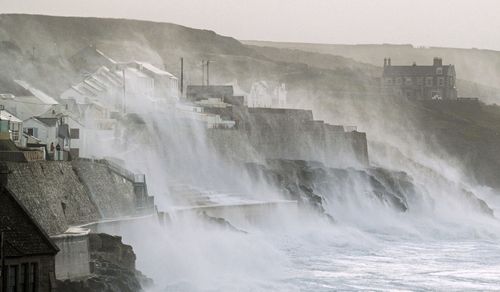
pixel 166 85
pixel 44 129
pixel 267 94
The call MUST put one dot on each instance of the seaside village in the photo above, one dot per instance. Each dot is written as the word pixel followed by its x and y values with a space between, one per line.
pixel 57 195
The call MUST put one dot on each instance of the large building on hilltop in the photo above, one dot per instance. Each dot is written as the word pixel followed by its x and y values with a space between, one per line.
pixel 416 82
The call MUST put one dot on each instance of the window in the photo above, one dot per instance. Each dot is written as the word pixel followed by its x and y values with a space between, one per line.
pixel 14 135
pixel 74 133
pixel 420 80
pixel 452 82
pixel 440 81
pixel 33 277
pixel 31 131
pixel 23 278
pixel 439 71
pixel 399 80
pixel 408 81
pixel 428 81
pixel 388 81
pixel 12 281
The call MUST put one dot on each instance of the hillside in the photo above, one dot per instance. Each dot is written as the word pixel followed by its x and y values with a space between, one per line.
pixel 479 66
pixel 340 89
pixel 38 48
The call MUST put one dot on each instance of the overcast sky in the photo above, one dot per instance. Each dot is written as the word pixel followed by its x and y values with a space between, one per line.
pixel 452 23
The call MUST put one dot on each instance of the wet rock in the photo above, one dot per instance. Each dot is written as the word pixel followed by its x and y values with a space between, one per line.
pixel 311 183
pixel 220 222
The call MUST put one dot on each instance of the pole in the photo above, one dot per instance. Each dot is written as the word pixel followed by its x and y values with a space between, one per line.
pixel 124 105
pixel 208 72
pixel 202 72
pixel 182 76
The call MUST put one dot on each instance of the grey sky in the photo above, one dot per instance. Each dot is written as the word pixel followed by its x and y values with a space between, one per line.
pixel 453 23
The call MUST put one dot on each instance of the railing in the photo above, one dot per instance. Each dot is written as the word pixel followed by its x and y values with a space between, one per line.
pixel 34 155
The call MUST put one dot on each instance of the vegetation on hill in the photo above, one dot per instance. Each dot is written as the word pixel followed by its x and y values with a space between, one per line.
pixel 342 89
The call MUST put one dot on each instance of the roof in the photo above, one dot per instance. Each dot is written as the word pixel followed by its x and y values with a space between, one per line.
pixel 44 98
pixel 90 58
pixel 25 107
pixel 8 145
pixel 415 70
pixel 102 81
pixel 133 71
pixel 199 92
pixel 23 235
pixel 6 115
pixel 50 122
pixel 154 69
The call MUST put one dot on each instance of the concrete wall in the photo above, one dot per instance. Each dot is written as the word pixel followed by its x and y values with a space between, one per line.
pixel 290 134
pixel 113 194
pixel 73 259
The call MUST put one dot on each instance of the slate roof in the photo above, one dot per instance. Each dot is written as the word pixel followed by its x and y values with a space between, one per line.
pixel 23 235
pixel 42 96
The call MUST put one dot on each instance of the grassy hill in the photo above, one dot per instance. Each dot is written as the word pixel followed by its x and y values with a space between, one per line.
pixel 479 66
pixel 341 88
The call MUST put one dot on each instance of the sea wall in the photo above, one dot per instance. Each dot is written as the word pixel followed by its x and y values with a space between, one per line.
pixel 268 133
pixel 113 194
pixel 52 192
pixel 61 194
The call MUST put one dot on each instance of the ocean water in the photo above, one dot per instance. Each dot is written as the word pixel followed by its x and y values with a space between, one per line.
pixel 309 253
pixel 399 265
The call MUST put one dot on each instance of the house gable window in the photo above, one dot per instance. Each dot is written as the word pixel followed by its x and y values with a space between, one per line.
pixel 439 71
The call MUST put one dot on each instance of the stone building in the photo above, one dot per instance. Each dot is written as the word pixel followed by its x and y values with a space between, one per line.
pixel 29 254
pixel 416 82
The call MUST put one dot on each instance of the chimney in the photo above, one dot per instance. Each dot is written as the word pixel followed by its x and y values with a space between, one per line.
pixel 389 62
pixel 438 62
pixel 385 62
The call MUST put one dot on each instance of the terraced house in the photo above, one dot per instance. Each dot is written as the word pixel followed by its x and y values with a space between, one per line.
pixel 415 82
